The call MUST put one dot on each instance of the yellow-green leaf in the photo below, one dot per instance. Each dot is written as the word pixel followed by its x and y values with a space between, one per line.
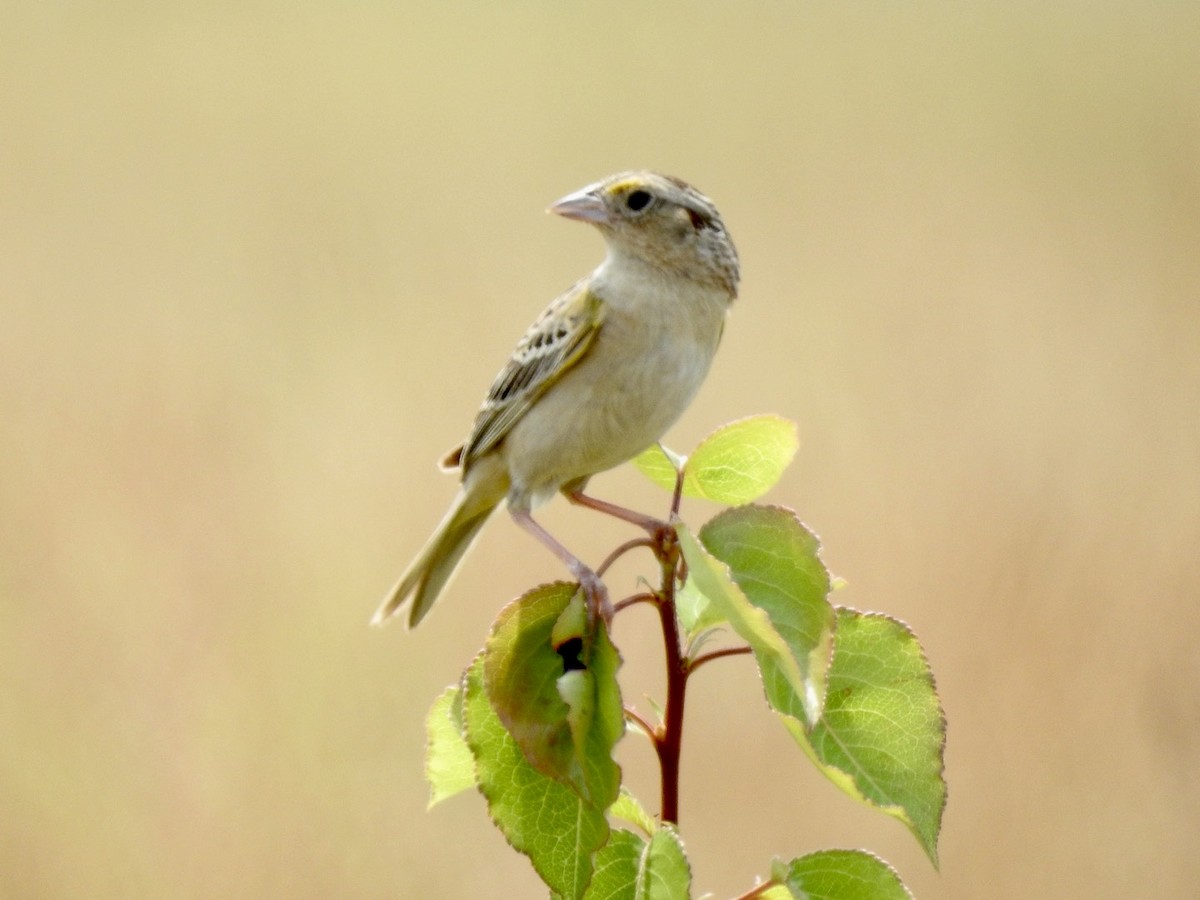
pixel 541 817
pixel 781 673
pixel 665 873
pixel 449 766
pixel 882 734
pixel 561 703
pixel 630 809
pixel 837 875
pixel 741 461
pixel 776 562
pixel 618 864
pixel 659 465
pixel 737 463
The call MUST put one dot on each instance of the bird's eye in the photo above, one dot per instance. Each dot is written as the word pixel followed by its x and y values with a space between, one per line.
pixel 638 200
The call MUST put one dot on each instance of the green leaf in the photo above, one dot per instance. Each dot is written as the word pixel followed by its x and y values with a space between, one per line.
pixel 660 465
pixel 868 715
pixel 783 679
pixel 776 562
pixel 665 874
pixel 882 735
pixel 736 464
pixel 617 866
pixel 541 817
pixel 596 713
pixel 630 868
pixel 693 611
pixel 565 722
pixel 741 461
pixel 521 672
pixel 630 809
pixel 449 766
pixel 838 875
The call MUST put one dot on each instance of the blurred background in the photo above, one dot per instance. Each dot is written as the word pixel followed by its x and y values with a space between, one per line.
pixel 260 261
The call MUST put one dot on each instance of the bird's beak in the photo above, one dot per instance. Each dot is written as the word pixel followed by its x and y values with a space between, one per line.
pixel 584 205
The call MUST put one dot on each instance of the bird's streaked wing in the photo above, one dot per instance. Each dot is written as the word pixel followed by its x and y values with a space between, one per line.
pixel 555 342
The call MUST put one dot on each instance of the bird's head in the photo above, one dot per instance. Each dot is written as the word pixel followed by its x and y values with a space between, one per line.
pixel 660 220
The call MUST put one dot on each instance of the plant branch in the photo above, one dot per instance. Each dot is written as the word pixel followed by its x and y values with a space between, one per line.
pixel 677 494
pixel 669 738
pixel 621 551
pixel 633 716
pixel 716 654
pixel 757 890
pixel 636 598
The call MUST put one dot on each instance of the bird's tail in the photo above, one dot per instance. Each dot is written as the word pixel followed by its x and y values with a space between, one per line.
pixel 428 573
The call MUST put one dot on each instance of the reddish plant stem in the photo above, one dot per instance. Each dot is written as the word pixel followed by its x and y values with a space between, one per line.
pixel 716 654
pixel 633 716
pixel 636 598
pixel 757 891
pixel 621 551
pixel 669 735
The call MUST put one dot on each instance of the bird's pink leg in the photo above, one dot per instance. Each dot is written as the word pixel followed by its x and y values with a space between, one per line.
pixel 655 527
pixel 593 587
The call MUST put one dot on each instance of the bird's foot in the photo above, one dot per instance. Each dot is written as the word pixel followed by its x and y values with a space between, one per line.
pixel 596 595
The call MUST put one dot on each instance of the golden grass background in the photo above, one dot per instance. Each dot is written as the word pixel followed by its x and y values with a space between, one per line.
pixel 259 262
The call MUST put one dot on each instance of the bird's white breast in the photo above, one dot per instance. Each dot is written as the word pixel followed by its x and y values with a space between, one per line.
pixel 653 350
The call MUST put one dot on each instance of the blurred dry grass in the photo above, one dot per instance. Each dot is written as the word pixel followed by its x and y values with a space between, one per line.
pixel 258 263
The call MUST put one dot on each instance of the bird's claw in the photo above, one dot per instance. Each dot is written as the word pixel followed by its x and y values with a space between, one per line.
pixel 596 595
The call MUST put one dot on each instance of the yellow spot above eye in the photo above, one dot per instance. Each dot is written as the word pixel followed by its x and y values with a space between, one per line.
pixel 628 184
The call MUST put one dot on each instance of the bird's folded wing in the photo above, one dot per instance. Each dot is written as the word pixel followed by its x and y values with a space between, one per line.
pixel 555 342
